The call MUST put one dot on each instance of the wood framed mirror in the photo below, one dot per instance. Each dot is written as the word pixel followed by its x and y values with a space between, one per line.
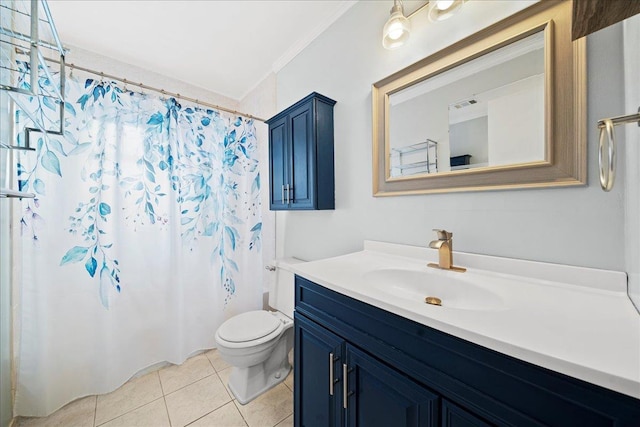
pixel 504 108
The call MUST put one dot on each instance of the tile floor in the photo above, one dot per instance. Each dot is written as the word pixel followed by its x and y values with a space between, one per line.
pixel 193 394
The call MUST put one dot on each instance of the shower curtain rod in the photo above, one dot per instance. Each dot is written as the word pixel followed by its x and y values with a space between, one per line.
pixel 147 87
pixel 164 92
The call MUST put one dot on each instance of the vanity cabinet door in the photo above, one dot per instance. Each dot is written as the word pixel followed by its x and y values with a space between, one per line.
pixel 318 359
pixel 378 395
pixel 454 416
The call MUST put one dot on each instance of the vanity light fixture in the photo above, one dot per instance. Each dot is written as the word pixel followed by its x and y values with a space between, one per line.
pixel 397 29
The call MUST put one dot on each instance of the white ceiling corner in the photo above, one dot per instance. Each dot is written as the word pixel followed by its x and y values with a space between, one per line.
pixel 303 42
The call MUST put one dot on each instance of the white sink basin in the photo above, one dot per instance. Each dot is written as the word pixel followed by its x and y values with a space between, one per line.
pixel 456 292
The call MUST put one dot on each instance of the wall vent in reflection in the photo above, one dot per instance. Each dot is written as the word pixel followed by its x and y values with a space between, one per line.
pixel 465 103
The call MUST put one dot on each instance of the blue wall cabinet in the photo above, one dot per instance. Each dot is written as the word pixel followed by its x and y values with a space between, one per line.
pixel 301 170
pixel 391 371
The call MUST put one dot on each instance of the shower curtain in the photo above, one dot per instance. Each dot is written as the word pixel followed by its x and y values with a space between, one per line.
pixel 143 237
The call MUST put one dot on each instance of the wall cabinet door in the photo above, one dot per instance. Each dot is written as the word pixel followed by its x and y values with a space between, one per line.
pixel 279 161
pixel 301 167
pixel 301 190
pixel 378 395
pixel 317 375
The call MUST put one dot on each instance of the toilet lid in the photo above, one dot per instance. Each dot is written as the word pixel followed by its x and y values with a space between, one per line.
pixel 248 326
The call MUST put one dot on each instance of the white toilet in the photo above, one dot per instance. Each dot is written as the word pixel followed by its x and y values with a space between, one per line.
pixel 257 343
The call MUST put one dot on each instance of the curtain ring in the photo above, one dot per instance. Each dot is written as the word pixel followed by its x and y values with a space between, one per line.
pixel 608 170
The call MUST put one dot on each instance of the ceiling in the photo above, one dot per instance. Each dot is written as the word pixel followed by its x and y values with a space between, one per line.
pixel 227 47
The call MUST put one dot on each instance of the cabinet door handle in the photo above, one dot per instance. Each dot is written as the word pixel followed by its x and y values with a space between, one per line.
pixel 330 374
pixel 345 396
pixel 289 191
pixel 283 199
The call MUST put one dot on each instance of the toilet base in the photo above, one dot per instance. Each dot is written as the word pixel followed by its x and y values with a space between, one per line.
pixel 245 390
pixel 247 383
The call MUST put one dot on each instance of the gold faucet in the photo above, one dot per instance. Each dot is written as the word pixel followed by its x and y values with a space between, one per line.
pixel 444 245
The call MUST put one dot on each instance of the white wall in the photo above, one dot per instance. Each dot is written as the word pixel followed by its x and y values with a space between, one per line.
pixel 261 102
pixel 516 124
pixel 100 63
pixel 579 226
pixel 630 149
pixel 471 137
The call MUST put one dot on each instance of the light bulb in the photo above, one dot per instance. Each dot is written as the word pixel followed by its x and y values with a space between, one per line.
pixel 396 31
pixel 440 10
pixel 444 4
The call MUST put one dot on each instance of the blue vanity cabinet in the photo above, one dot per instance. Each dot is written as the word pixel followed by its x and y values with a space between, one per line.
pixel 402 373
pixel 374 393
pixel 301 165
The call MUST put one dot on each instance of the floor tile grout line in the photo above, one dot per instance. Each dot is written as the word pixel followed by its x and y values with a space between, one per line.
pixel 128 412
pixel 133 409
pixel 210 363
pixel 210 412
pixel 185 386
pixel 226 365
pixel 241 414
pixel 164 398
pixel 195 381
pixel 215 409
pixel 276 424
pixel 233 399
pixel 95 412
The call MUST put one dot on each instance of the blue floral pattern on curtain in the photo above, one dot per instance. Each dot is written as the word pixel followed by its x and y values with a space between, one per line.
pixel 192 155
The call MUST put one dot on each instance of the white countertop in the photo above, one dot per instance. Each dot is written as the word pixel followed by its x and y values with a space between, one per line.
pixel 573 320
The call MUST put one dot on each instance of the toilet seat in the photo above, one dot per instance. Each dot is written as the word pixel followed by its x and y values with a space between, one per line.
pixel 249 329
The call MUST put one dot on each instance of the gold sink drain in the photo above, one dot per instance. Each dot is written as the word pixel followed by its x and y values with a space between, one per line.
pixel 433 300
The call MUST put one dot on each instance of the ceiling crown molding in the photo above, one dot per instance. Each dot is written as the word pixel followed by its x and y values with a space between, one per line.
pixel 304 42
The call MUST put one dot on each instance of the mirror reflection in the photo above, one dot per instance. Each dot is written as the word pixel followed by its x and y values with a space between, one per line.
pixel 486 112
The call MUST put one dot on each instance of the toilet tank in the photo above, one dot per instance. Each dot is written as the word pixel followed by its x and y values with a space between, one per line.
pixel 281 292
